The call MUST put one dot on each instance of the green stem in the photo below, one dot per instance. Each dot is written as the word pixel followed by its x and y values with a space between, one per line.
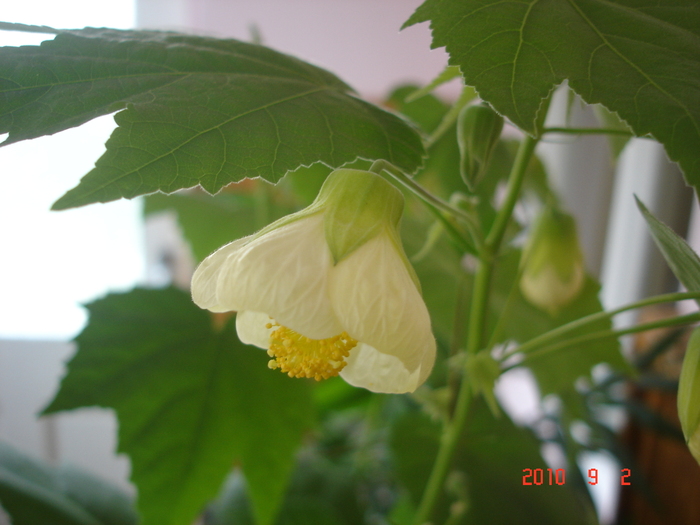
pixel 453 429
pixel 448 445
pixel 482 280
pixel 505 311
pixel 380 166
pixel 463 244
pixel 457 339
pixel 544 339
pixel 515 181
pixel 604 334
pixel 589 131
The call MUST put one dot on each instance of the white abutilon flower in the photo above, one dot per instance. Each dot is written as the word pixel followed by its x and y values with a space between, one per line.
pixel 329 291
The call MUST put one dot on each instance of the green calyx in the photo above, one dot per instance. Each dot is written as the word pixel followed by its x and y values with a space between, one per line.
pixel 358 205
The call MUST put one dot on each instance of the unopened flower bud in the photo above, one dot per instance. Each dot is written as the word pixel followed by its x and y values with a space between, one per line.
pixel 689 395
pixel 478 130
pixel 552 263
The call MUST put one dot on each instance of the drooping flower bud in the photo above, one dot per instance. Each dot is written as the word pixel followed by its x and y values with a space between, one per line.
pixel 552 263
pixel 478 130
pixel 689 395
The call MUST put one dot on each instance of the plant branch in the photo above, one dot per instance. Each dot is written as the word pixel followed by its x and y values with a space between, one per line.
pixel 435 202
pixel 544 339
pixel 453 429
pixel 589 131
pixel 604 334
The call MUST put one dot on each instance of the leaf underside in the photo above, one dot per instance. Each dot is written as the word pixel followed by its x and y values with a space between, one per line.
pixel 191 110
pixel 639 58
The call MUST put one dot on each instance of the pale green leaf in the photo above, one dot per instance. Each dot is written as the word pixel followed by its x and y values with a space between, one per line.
pixel 191 401
pixel 638 58
pixel 445 75
pixel 192 110
pixel 684 262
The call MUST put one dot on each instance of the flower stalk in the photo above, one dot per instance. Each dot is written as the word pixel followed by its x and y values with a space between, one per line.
pixel 482 282
pixel 605 334
pixel 546 338
pixel 433 202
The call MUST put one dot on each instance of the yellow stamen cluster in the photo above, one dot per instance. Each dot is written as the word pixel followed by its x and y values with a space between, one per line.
pixel 299 356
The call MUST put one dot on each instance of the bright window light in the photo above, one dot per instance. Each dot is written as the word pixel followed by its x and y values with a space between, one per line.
pixel 52 262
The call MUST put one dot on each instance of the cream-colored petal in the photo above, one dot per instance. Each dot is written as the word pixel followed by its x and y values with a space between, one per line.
pixel 283 273
pixel 252 330
pixel 383 373
pixel 205 278
pixel 377 303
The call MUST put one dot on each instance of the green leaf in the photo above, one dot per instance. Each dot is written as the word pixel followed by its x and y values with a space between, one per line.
pixel 514 318
pixel 445 75
pixel 190 401
pixel 492 455
pixel 34 493
pixel 639 59
pixel 684 262
pixel 194 110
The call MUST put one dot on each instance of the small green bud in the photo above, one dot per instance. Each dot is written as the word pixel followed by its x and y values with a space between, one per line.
pixel 689 395
pixel 552 264
pixel 478 130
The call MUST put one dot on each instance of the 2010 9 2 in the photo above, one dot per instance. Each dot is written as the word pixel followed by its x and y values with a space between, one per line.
pixel 548 476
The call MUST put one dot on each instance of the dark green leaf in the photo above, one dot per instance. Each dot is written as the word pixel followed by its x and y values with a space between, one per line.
pixel 492 455
pixel 684 262
pixel 190 400
pixel 639 59
pixel 36 494
pixel 195 110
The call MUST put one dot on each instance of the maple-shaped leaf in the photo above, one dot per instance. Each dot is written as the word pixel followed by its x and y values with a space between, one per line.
pixel 191 402
pixel 639 58
pixel 191 110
